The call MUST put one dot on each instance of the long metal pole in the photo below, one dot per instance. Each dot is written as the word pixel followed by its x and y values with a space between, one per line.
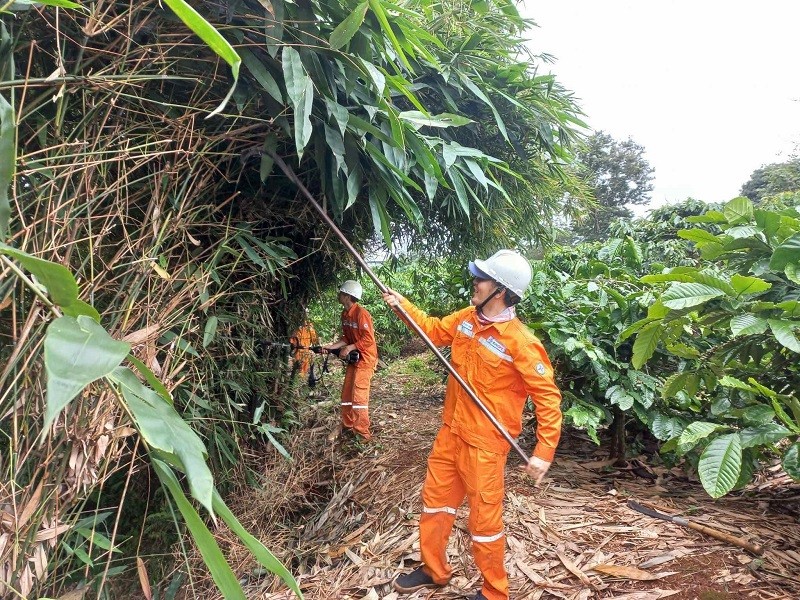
pixel 417 329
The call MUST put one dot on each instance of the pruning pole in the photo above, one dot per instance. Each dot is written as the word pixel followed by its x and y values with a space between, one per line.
pixel 399 309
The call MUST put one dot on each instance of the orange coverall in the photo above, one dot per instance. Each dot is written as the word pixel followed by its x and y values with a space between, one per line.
pixel 305 336
pixel 503 363
pixel 357 329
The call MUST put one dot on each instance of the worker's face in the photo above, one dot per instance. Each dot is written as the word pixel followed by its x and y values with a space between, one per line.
pixel 482 289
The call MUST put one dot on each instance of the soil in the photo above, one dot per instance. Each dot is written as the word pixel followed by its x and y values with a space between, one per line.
pixel 344 516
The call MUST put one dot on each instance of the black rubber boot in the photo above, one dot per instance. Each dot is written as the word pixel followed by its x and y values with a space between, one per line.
pixel 480 596
pixel 416 580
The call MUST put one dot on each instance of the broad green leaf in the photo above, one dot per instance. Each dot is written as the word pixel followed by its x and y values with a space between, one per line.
pixel 345 30
pixel 259 551
pixel 673 384
pixel 220 569
pixel 665 428
pixel 262 75
pixel 784 332
pixel 213 38
pixel 662 277
pixel 788 253
pixel 695 432
pixel 163 429
pixel 76 353
pixel 738 210
pixel 682 350
pixel 300 89
pixel 686 295
pixel 748 324
pixel 749 285
pixel 620 396
pixel 769 433
pixel 792 271
pixel 720 465
pixel 419 119
pixel 645 345
pixel 8 157
pixel 791 461
pixel 758 414
pixel 59 282
pixel 710 216
pixel 733 382
pixel 699 236
pixel 790 308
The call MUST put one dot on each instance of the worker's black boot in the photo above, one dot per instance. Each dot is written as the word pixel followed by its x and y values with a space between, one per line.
pixel 416 580
pixel 480 596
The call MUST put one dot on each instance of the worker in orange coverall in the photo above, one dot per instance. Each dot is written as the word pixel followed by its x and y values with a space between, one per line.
pixel 357 334
pixel 504 364
pixel 302 339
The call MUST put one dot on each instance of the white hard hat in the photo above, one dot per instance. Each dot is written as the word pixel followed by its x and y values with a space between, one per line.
pixel 507 267
pixel 352 288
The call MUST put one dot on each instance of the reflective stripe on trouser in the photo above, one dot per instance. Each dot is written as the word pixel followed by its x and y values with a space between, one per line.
pixel 456 470
pixel 355 400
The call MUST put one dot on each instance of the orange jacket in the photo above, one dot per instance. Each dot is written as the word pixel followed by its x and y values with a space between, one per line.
pixel 357 329
pixel 305 336
pixel 503 363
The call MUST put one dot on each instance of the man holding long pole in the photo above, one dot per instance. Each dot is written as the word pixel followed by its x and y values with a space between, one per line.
pixel 504 363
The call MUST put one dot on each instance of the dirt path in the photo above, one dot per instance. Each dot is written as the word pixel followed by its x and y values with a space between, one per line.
pixel 574 538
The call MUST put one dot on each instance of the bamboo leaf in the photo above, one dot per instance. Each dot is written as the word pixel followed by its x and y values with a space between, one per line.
pixel 76 353
pixel 345 30
pixel 164 430
pixel 220 570
pixel 301 95
pixel 210 331
pixel 720 465
pixel 260 552
pixel 213 38
pixel 419 119
pixel 262 75
pixel 377 8
pixel 8 158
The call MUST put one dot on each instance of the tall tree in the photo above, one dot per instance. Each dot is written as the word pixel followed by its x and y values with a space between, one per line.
pixel 619 175
pixel 773 179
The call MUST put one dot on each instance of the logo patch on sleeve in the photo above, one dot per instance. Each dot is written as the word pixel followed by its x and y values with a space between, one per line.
pixel 540 368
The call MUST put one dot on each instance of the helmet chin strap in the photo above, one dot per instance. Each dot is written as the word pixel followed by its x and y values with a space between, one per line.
pixel 480 306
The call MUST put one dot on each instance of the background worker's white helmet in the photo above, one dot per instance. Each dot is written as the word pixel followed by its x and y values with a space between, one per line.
pixel 507 267
pixel 352 288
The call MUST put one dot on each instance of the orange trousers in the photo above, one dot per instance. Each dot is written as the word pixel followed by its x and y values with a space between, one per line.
pixel 355 400
pixel 457 470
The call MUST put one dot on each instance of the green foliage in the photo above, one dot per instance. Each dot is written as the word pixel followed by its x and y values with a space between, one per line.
pixel 733 323
pixel 618 175
pixel 773 179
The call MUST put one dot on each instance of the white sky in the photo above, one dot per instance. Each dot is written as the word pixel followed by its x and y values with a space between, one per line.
pixel 710 89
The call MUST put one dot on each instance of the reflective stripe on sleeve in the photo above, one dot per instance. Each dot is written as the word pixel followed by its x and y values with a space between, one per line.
pixel 347 404
pixel 360 407
pixel 446 509
pixel 487 538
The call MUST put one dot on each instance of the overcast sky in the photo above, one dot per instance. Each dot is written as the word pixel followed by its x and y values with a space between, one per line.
pixel 710 89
